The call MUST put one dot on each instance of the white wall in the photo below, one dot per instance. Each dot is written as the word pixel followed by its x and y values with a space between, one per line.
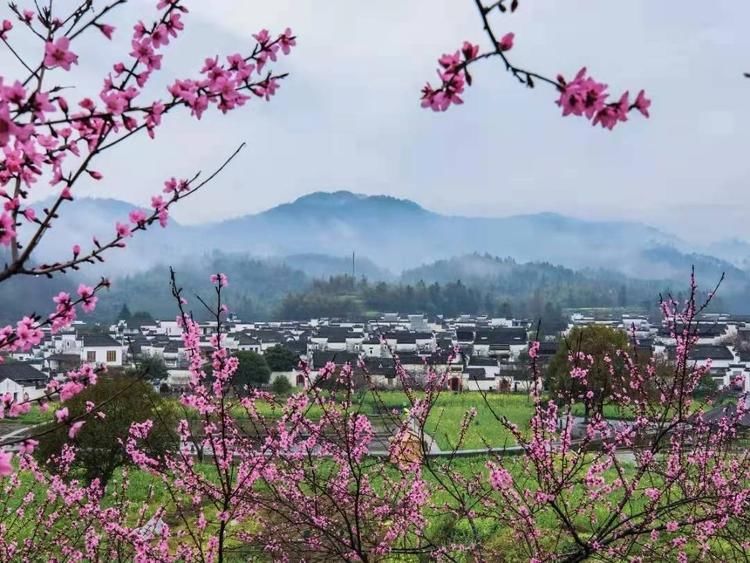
pixel 17 391
pixel 100 355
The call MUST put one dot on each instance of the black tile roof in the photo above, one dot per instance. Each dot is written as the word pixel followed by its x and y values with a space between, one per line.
pixel 705 352
pixel 21 373
pixel 465 335
pixel 502 336
pixel 99 341
pixel 477 361
pixel 478 374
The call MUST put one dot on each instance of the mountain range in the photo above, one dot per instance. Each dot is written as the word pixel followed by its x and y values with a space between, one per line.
pixel 277 258
pixel 390 235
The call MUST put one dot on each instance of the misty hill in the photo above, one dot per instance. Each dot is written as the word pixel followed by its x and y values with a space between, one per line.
pixel 732 250
pixel 388 235
pixel 507 279
pixel 255 286
pixel 86 218
pixel 317 285
pixel 399 234
pixel 324 266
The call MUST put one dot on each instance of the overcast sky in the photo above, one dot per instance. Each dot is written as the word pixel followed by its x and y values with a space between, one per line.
pixel 349 116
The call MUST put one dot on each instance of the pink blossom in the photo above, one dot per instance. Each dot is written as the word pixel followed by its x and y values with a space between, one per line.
pixel 642 103
pixel 534 349
pixel 7 229
pixel 7 125
pixel 86 293
pixel 500 478
pixel 174 24
pixel 144 53
pixel 28 446
pixel 160 36
pixel 61 415
pixel 165 4
pixel 122 230
pixel 137 217
pixel 7 25
pixel 75 428
pixel 6 467
pixel 611 114
pixel 287 41
pixel 28 333
pixel 107 30
pixel 57 53
pixel 506 42
pixel 70 389
pixel 220 279
pixel 469 50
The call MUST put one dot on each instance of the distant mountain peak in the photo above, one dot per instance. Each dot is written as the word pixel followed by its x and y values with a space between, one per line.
pixel 338 196
pixel 346 200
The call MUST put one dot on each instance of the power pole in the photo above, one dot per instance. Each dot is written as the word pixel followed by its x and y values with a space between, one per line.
pixel 354 271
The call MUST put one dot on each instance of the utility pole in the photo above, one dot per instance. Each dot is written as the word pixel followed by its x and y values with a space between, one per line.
pixel 354 271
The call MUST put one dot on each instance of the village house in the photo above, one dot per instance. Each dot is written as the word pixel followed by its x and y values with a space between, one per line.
pixel 21 381
pixel 101 349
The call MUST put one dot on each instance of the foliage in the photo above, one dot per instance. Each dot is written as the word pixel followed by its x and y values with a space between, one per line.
pixel 595 350
pixel 280 385
pixel 124 314
pixel 260 286
pixel 253 371
pixel 280 358
pixel 152 367
pixel 122 401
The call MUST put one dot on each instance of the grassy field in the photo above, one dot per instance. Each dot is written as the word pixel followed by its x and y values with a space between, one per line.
pixel 444 422
pixel 36 416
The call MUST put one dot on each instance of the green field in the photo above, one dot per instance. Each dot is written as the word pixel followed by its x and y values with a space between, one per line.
pixel 444 421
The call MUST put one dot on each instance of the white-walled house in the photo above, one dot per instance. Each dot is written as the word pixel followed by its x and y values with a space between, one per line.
pixel 719 358
pixel 478 379
pixel 22 381
pixel 372 347
pixel 178 379
pixel 67 343
pixel 738 375
pixel 101 349
pixel 501 342
pixel 247 343
pixel 168 328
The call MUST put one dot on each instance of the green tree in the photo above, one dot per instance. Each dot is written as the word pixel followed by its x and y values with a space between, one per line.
pixel 124 313
pixel 280 385
pixel 152 367
pixel 597 341
pixel 124 400
pixel 280 358
pixel 253 370
pixel 707 387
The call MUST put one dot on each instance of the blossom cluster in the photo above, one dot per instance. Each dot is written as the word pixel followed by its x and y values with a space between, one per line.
pixel 582 96
pixel 585 97
pixel 49 135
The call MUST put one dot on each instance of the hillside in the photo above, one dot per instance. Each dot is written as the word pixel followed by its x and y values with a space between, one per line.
pixel 395 234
